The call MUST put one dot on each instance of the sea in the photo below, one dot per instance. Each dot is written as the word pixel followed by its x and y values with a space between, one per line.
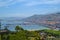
pixel 12 24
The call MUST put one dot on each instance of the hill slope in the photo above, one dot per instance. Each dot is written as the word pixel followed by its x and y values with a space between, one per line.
pixel 51 20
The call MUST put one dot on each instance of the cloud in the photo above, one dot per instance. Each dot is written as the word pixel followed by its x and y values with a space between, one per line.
pixel 28 2
pixel 9 2
pixel 39 2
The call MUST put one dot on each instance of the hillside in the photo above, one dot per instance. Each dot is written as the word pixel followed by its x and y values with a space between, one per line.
pixel 51 20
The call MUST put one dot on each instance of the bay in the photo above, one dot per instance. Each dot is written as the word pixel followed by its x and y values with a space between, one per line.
pixel 12 24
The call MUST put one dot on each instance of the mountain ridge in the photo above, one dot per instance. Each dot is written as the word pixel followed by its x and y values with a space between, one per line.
pixel 51 20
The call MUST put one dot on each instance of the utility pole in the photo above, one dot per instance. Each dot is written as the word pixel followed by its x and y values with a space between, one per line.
pixel 0 25
pixel 0 30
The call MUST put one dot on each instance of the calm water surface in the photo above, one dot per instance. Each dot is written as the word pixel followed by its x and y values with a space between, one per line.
pixel 12 25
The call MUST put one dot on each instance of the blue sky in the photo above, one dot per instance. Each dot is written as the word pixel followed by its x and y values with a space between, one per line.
pixel 25 8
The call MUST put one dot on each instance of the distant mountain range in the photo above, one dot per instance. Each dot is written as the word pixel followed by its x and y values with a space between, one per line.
pixel 51 20
pixel 10 18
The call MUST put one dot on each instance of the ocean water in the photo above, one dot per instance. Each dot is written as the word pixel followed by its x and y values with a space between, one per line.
pixel 11 25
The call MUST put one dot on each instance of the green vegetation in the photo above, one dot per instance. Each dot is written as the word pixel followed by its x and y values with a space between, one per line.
pixel 18 28
pixel 52 32
pixel 21 34
pixel 0 37
pixel 18 36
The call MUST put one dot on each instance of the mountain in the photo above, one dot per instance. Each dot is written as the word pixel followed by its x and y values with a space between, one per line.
pixel 10 18
pixel 51 20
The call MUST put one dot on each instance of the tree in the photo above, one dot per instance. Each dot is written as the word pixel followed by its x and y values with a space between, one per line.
pixel 21 35
pixel 6 28
pixel 18 28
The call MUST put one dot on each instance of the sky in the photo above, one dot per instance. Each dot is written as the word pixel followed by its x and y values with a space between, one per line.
pixel 25 8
